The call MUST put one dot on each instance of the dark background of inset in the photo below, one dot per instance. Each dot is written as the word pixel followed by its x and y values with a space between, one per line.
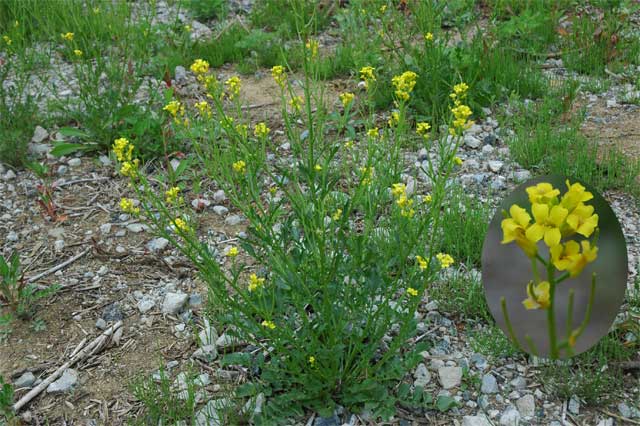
pixel 506 270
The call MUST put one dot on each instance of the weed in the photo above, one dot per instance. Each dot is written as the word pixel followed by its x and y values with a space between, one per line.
pixel 207 9
pixel 6 400
pixel 491 341
pixel 461 293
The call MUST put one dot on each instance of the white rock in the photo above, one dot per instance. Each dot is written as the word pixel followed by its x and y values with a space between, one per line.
pixel 157 244
pixel 101 324
pixel 174 302
pixel 510 417
pixel 74 162
pixel 233 220
pixel 526 406
pixel 39 134
pixel 65 383
pixel 480 420
pixel 207 353
pixel 104 160
pixel 208 335
pixel 10 175
pixel 472 142
pixel 421 375
pixel 146 304
pixel 136 227
pixel 574 405
pixel 450 377
pixel 200 203
pixel 489 384
pixel 25 381
pixel 495 166
pixel 219 196
pixel 220 210
pixel 12 236
pixel 105 228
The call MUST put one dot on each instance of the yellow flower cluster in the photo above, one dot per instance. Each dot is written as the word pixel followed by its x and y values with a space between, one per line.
pixel 233 87
pixel 404 84
pixel 367 174
pixel 461 112
pixel 373 133
pixel 346 98
pixel 7 40
pixel 312 47
pixel 67 36
pixel 127 206
pixel 243 130
pixel 203 108
pixel 255 282
pixel 555 219
pixel 337 215
pixel 394 119
pixel 457 160
pixel 399 192
pixel 445 260
pixel 77 52
pixel 422 262
pixel 423 129
pixel 279 75
pixel 428 37
pixel 261 130
pixel 296 103
pixel 239 166
pixel 200 67
pixel 367 74
pixel 268 324
pixel 539 296
pixel 123 150
pixel 233 252
pixel 412 292
pixel 172 196
pixel 181 225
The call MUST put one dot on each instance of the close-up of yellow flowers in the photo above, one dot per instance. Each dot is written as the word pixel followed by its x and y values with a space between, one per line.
pixel 127 206
pixel 261 130
pixel 373 133
pixel 404 84
pixel 172 196
pixel 399 192
pixel 445 260
pixel 67 36
pixel 181 225
pixel 296 103
pixel 394 119
pixel 422 129
pixel 233 87
pixel 367 74
pixel 255 282
pixel 422 263
pixel 346 98
pixel 203 108
pixel 239 166
pixel 200 67
pixel 78 53
pixel 269 324
pixel 312 46
pixel 412 292
pixel 279 75
pixel 7 40
pixel 428 36
pixel 173 108
pixel 233 252
pixel 538 295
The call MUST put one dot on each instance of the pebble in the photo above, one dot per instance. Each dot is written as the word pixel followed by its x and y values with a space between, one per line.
pixel 10 175
pixel 526 406
pixel 219 196
pixel 174 302
pixel 450 377
pixel 233 220
pixel 12 236
pixel 195 300
pixel 157 244
pixel 510 417
pixel 220 210
pixel 574 405
pixel 39 135
pixel 208 335
pixel 472 142
pixel 207 353
pixel 489 384
pixel 146 304
pixel 422 376
pixel 480 420
pixel 180 74
pixel 136 227
pixel 25 381
pixel 74 162
pixel 495 166
pixel 519 383
pixel 65 383
pixel 101 324
pixel 105 228
pixel 62 169
pixel 112 313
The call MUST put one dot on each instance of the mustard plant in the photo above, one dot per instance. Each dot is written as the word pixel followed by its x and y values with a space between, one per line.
pixel 335 260
pixel 558 221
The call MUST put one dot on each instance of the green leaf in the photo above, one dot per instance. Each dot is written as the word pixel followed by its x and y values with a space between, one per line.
pixel 445 403
pixel 247 389
pixel 63 148
pixel 72 132
pixel 236 358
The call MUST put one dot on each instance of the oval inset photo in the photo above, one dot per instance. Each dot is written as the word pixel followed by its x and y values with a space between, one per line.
pixel 554 267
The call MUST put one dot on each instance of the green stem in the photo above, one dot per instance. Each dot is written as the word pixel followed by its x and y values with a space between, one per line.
pixel 551 316
pixel 505 314
pixel 536 274
pixel 587 315
pixel 532 346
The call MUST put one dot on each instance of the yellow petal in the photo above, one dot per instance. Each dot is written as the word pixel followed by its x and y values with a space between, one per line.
pixel 558 215
pixel 552 237
pixel 540 212
pixel 520 215
pixel 535 233
pixel 530 304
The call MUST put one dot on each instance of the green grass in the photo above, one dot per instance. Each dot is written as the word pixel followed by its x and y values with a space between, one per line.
pixel 461 294
pixel 491 341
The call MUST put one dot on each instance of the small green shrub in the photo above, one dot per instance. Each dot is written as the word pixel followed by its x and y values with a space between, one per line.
pixel 207 9
pixel 6 400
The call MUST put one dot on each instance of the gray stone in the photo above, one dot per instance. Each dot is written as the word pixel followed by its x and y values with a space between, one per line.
pixel 136 227
pixel 74 162
pixel 327 421
pixel 472 142
pixel 487 149
pixel 574 405
pixel 195 300
pixel 479 361
pixel 624 409
pixel 180 74
pixel 227 341
pixel 233 220
pixel 174 302
pixel 157 244
pixel 10 175
pixel 450 377
pixel 510 417
pixel 146 304
pixel 219 196
pixel 209 415
pixel 220 210
pixel 112 313
pixel 519 383
pixel 101 324
pixel 12 236
pixel 499 183
pixel 209 335
pixel 206 353
pixel 104 160
pixel 62 169
pixel 39 149
pixel 480 420
pixel 423 154
pixel 25 381
pixel 39 134
pixel 421 375
pixel 522 175
pixel 495 166
pixel 199 204
pixel 490 139
pixel 526 405
pixel 105 228
pixel 489 384
pixel 65 383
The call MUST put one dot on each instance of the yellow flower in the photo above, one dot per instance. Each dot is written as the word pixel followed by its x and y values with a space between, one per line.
pixel 547 223
pixel 348 144
pixel 346 98
pixel 181 224
pixel 398 189
pixel 243 130
pixel 367 175
pixel 126 205
pixel 373 133
pixel 261 130
pixel 67 36
pixel 200 66
pixel 423 129
pixel 77 52
pixel 233 252
pixel 172 107
pixel 122 149
pixel 538 295
pixel 412 292
pixel 404 84
pixel 96 10
pixel 268 324
pixel 422 263
pixel 459 89
pixel 514 229
pixel 576 194
pixel 233 85
pixel 172 195
pixel 255 282
pixel 296 103
pixel 542 193
pixel 312 47
pixel 367 75
pixel 394 119
pixel 318 168
pixel 457 160
pixel 312 361
pixel 203 108
pixel 7 40
pixel 279 75
pixel 461 113
pixel 428 37
pixel 187 28
pixel 568 257
pixel 582 220
pixel 337 215
pixel 129 168
pixel 427 198
pixel 445 260
pixel 383 8
pixel 239 166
